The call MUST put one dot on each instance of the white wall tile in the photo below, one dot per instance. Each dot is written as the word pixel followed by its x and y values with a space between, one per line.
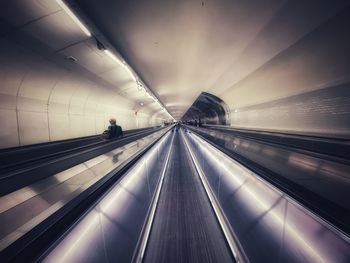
pixel 89 125
pixel 52 102
pixel 33 127
pixel 59 126
pixel 8 101
pixel 8 131
pixel 77 126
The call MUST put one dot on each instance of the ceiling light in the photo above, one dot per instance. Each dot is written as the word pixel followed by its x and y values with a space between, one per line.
pixel 74 17
pixel 113 57
pixel 71 59
pixel 130 73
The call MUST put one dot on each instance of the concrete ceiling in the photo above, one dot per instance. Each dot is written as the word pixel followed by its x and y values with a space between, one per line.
pixel 181 48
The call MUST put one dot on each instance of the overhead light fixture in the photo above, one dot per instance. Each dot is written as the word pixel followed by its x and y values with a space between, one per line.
pixel 100 46
pixel 126 67
pixel 113 57
pixel 71 59
pixel 130 73
pixel 74 17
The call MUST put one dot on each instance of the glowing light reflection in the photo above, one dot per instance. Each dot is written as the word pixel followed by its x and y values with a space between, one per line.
pixel 74 17
pixel 296 234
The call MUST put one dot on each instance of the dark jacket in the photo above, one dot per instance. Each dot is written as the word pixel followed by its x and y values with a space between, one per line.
pixel 114 131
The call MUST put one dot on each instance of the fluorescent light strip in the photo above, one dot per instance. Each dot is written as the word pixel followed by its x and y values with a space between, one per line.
pixel 109 53
pixel 140 87
pixel 130 73
pixel 115 59
pixel 74 17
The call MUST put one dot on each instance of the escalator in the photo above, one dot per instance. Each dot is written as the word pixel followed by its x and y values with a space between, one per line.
pixel 19 157
pixel 185 228
pixel 314 171
pixel 184 200
pixel 35 213
pixel 182 228
pixel 23 166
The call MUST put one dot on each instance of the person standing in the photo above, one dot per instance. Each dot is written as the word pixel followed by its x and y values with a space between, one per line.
pixel 114 130
pixel 119 131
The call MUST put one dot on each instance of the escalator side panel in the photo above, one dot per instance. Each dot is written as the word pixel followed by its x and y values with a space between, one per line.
pixel 268 224
pixel 109 232
pixel 321 184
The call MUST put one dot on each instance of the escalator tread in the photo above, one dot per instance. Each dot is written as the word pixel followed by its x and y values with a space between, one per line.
pixel 185 228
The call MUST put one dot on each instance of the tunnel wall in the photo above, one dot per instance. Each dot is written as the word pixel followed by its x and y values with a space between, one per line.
pixel 41 101
pixel 303 89
pixel 209 109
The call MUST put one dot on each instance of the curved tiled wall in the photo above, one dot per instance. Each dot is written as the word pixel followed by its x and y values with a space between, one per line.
pixel 41 101
pixel 301 89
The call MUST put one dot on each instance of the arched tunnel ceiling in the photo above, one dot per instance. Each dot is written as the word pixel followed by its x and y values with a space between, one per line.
pixel 208 109
pixel 181 48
